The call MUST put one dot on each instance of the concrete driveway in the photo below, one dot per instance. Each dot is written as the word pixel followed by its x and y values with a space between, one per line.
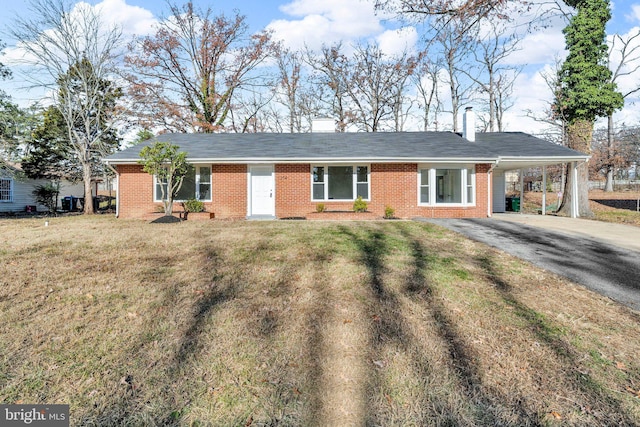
pixel 601 256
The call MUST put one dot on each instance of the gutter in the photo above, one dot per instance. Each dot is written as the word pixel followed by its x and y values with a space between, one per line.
pixel 345 160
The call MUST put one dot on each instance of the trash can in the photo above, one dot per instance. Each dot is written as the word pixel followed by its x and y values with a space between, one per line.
pixel 508 204
pixel 69 203
pixel 515 204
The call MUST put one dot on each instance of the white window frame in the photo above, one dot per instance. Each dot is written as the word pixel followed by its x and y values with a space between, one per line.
pixel 355 182
pixel 157 195
pixel 10 191
pixel 468 180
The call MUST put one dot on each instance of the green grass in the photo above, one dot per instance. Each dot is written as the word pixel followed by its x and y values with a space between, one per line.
pixel 302 323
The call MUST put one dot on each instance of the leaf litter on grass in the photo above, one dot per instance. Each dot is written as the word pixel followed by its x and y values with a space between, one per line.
pixel 302 323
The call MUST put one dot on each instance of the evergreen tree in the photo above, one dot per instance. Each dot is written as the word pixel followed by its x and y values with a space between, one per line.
pixel 586 91
pixel 48 153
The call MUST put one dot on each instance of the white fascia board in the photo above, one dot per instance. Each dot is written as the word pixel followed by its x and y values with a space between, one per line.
pixel 321 160
pixel 542 160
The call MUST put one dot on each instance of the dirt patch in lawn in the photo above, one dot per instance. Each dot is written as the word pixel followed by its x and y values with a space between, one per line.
pixel 302 323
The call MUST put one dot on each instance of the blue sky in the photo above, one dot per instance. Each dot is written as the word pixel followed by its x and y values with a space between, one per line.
pixel 313 22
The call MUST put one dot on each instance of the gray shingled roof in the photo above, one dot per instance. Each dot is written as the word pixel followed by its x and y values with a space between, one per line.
pixel 360 147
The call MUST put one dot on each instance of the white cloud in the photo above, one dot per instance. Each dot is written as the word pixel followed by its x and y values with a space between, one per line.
pixel 396 42
pixel 326 22
pixel 634 16
pixel 531 93
pixel 132 19
pixel 539 48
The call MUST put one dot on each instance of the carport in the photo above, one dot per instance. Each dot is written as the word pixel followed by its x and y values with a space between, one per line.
pixel 519 151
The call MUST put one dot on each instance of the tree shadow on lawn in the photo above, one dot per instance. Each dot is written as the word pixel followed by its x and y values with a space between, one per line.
pixel 390 329
pixel 487 404
pixel 590 397
pixel 153 392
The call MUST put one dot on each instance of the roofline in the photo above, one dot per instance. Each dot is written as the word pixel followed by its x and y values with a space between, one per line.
pixel 253 160
pixel 545 159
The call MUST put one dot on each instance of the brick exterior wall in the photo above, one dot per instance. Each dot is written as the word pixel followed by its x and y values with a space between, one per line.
pixel 229 191
pixel 394 185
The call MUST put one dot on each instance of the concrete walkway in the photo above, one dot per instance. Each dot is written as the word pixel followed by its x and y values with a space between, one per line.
pixel 623 236
pixel 601 256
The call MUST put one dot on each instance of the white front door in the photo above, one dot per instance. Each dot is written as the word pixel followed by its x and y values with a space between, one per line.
pixel 262 191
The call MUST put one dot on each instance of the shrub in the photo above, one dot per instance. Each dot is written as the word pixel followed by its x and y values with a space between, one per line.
pixel 193 205
pixel 320 207
pixel 389 212
pixel 47 195
pixel 359 205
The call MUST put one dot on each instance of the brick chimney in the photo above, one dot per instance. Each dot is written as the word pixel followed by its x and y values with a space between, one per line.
pixel 469 125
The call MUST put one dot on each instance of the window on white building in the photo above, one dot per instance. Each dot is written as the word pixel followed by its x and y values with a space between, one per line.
pixel 6 190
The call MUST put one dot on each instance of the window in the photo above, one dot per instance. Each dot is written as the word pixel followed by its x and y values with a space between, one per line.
pixel 6 190
pixel 425 189
pixel 451 186
pixel 340 182
pixel 195 185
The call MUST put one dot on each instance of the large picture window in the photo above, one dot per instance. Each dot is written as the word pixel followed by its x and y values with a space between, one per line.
pixel 6 190
pixel 446 186
pixel 340 182
pixel 195 185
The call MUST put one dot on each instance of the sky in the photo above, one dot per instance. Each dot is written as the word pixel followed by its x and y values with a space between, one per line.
pixel 314 22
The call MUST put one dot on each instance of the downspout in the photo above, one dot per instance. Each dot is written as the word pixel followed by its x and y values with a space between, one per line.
pixel 544 189
pixel 490 189
pixel 575 212
pixel 117 188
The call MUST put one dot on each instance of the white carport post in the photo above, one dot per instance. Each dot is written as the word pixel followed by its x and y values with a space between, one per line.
pixel 574 199
pixel 544 190
pixel 521 189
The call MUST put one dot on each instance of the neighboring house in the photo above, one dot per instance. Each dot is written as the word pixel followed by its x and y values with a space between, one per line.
pixel 16 190
pixel 418 174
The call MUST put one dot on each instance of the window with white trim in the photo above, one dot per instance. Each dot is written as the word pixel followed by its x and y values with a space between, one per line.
pixel 195 185
pixel 340 182
pixel 447 186
pixel 6 190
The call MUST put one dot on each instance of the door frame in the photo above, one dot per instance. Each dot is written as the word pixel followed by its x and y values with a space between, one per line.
pixel 272 206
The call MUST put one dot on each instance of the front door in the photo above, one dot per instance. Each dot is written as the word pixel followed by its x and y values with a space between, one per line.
pixel 262 191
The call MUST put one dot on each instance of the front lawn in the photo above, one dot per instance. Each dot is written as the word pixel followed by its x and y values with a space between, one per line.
pixel 302 323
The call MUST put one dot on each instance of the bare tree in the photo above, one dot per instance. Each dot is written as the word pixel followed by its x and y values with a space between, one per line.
pixel 73 53
pixel 288 85
pixel 628 51
pixel 330 68
pixel 185 76
pixel 375 84
pixel 494 78
pixel 455 41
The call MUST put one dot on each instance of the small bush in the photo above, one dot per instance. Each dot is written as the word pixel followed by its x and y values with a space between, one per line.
pixel 389 212
pixel 193 205
pixel 47 195
pixel 359 205
pixel 320 207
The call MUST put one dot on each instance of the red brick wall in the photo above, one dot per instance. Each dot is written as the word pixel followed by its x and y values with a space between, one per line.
pixel 293 190
pixel 394 185
pixel 135 192
pixel 229 192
